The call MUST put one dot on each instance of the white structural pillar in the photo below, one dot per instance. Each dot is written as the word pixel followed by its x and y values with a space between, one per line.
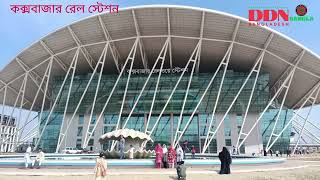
pixel 287 87
pixel 313 98
pixel 73 67
pixel 195 51
pixel 161 57
pixel 130 57
pixel 54 104
pixel 308 99
pixel 196 58
pixel 80 101
pixel 101 64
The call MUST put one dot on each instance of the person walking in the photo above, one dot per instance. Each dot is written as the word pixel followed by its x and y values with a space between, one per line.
pixel 193 152
pixel 165 156
pixel 101 167
pixel 181 171
pixel 225 159
pixel 179 153
pixel 122 142
pixel 171 157
pixel 159 154
pixel 27 159
pixel 39 159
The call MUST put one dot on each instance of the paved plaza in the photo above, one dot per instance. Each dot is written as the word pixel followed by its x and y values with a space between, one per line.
pixel 291 169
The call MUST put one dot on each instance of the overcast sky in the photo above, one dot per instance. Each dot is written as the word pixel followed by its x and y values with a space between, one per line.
pixel 18 31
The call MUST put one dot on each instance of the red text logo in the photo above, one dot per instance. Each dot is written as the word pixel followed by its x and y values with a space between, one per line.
pixel 268 15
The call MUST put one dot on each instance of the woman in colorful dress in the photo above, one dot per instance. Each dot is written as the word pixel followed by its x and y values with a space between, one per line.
pixel 159 154
pixel 101 167
pixel 171 156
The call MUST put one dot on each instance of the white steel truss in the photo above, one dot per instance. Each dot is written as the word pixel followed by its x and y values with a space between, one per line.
pixel 131 57
pixel 35 77
pixel 141 47
pixel 223 64
pixel 58 60
pixel 101 64
pixel 114 51
pixel 313 99
pixel 196 59
pixel 310 97
pixel 192 59
pixel 69 122
pixel 308 133
pixel 210 135
pixel 48 69
pixel 284 85
pixel 73 68
pixel 287 87
pixel 161 56
pixel 228 54
pixel 84 51
pixel 55 101
pixel 81 47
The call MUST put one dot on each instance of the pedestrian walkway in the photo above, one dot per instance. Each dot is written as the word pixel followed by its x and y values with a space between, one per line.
pixel 288 165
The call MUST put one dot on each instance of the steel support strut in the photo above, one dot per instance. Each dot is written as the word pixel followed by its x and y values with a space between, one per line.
pixel 80 100
pixel 287 87
pixel 161 57
pixel 101 64
pixel 48 69
pixel 130 57
pixel 313 98
pixel 125 93
pixel 54 104
pixel 195 60
pixel 73 67
pixel 195 51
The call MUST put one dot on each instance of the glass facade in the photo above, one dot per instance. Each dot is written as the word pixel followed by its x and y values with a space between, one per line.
pixel 165 130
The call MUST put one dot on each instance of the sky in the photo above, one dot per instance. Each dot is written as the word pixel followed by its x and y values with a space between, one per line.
pixel 18 31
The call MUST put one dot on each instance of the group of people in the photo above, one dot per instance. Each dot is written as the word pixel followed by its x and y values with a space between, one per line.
pixel 168 157
pixel 37 161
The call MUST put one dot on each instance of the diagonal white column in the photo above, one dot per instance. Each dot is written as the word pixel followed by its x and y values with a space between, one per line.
pixel 80 100
pixel 130 57
pixel 313 99
pixel 311 96
pixel 54 104
pixel 196 59
pixel 191 60
pixel 35 98
pixel 73 67
pixel 101 64
pixel 125 93
pixel 287 87
pixel 161 57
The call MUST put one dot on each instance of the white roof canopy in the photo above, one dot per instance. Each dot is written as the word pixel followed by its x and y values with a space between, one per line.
pixel 153 24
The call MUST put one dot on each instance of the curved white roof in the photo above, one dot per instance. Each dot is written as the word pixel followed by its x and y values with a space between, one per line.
pixel 153 24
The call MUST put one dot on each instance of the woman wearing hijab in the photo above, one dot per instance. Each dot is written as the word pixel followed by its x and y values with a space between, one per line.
pixel 171 157
pixel 179 154
pixel 165 156
pixel 159 154
pixel 101 167
pixel 225 160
